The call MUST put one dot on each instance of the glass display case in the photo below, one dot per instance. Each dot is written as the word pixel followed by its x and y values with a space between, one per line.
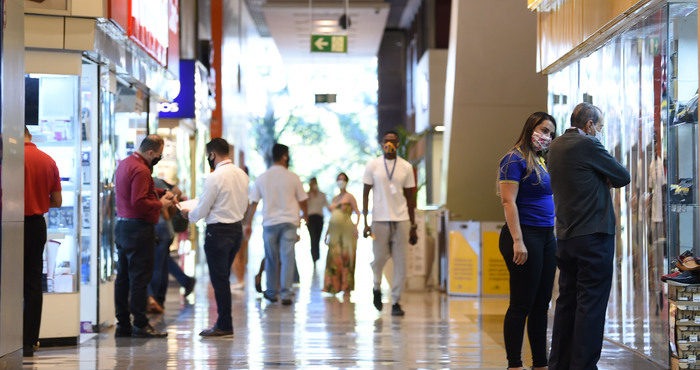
pixel 57 133
pixel 645 80
pixel 53 119
pixel 683 213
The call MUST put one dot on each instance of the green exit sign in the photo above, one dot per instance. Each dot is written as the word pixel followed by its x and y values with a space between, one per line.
pixel 329 43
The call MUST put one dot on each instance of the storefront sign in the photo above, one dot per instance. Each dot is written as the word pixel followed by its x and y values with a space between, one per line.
pixel 183 105
pixel 146 22
pixel 495 278
pixel 173 37
pixel 148 27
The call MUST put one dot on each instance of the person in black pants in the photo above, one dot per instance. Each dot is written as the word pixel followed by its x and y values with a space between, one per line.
pixel 527 240
pixel 223 204
pixel 316 203
pixel 582 173
pixel 42 190
pixel 138 209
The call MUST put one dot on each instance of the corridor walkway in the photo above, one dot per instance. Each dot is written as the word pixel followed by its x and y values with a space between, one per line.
pixel 318 331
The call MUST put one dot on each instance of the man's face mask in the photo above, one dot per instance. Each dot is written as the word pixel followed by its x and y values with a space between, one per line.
pixel 155 160
pixel 389 147
pixel 210 159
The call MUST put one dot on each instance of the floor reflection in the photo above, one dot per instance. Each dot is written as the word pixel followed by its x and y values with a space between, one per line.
pixel 318 331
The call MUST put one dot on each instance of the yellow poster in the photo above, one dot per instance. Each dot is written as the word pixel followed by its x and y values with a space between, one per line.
pixel 495 276
pixel 463 260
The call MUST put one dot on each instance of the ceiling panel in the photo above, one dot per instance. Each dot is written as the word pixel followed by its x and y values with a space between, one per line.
pixel 291 24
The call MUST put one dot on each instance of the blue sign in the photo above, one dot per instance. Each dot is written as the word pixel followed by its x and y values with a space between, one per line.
pixel 183 105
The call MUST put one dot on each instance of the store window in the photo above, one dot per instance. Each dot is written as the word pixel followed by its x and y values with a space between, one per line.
pixel 55 127
pixel 645 80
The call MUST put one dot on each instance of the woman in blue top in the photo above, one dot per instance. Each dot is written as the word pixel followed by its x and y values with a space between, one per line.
pixel 527 240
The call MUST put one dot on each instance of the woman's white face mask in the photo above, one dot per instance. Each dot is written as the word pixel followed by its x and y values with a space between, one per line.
pixel 342 184
pixel 540 141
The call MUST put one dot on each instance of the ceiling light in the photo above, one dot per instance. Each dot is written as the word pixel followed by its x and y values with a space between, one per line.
pixel 325 22
pixel 326 29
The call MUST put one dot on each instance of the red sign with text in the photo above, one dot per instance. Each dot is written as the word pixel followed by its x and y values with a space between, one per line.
pixel 174 37
pixel 146 22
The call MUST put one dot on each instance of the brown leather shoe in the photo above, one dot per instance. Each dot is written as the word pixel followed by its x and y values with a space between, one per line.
pixel 153 306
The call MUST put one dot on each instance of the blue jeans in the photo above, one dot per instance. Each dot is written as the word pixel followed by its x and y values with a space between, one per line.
pixel 159 282
pixel 279 258
pixel 221 244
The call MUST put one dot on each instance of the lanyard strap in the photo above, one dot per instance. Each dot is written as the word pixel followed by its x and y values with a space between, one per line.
pixel 386 168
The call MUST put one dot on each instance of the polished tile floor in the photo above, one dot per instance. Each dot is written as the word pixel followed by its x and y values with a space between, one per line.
pixel 318 331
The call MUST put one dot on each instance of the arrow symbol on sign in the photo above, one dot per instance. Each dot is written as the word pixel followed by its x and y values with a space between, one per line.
pixel 320 43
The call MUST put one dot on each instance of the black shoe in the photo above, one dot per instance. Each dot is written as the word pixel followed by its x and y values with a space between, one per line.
pixel 216 332
pixel 377 299
pixel 286 302
pixel 396 310
pixel 686 277
pixel 147 332
pixel 270 298
pixel 258 283
pixel 190 287
pixel 122 331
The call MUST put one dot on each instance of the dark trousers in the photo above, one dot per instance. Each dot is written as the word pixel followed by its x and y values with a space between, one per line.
pixel 176 271
pixel 34 241
pixel 585 276
pixel 158 285
pixel 530 292
pixel 135 244
pixel 315 226
pixel 221 244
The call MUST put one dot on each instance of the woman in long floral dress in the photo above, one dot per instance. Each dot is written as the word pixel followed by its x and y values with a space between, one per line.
pixel 342 241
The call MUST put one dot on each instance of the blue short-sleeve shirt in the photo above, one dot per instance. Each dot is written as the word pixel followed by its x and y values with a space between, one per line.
pixel 534 201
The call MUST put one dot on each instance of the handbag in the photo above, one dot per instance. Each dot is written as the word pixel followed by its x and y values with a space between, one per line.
pixel 180 223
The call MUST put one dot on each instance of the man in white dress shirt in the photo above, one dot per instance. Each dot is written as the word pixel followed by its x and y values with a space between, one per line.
pixel 222 204
pixel 283 197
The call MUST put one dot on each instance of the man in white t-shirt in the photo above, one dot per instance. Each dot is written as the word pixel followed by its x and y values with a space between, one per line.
pixel 283 197
pixel 393 223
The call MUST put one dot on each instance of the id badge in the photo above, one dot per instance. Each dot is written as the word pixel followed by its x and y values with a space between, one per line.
pixel 392 189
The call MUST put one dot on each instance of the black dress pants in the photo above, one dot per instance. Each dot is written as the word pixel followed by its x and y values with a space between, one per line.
pixel 34 241
pixel 221 243
pixel 135 247
pixel 585 276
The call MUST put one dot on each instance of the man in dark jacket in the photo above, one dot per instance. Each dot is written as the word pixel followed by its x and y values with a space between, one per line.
pixel 582 173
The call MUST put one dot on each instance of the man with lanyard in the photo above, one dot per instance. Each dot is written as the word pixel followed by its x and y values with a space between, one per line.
pixel 393 223
pixel 139 205
pixel 222 204
pixel 42 190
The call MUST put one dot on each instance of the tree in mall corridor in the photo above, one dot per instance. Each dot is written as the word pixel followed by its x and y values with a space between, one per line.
pixel 267 132
pixel 356 137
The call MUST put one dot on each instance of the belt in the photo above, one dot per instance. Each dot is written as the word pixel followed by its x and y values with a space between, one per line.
pixel 225 224
pixel 126 219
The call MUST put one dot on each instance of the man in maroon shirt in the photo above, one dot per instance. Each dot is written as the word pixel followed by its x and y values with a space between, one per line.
pixel 139 204
pixel 42 189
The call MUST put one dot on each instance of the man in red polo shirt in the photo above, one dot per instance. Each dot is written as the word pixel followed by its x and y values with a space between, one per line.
pixel 42 190
pixel 139 204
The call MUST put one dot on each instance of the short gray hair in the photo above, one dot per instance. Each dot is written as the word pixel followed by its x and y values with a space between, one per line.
pixel 583 113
